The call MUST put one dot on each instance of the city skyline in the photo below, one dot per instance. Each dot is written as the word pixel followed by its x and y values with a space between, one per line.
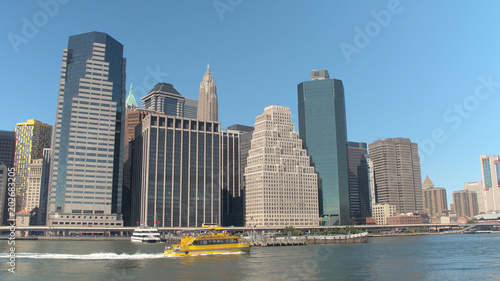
pixel 435 97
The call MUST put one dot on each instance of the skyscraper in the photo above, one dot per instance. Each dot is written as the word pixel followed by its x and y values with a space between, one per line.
pixel 490 167
pixel 230 178
pixel 208 108
pixel 396 167
pixel 465 203
pixel 355 153
pixel 31 138
pixel 176 172
pixel 87 154
pixel 434 199
pixel 7 148
pixel 477 187
pixel 322 126
pixel 166 99
pixel 281 186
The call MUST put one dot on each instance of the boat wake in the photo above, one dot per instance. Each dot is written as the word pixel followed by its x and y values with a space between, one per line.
pixel 94 256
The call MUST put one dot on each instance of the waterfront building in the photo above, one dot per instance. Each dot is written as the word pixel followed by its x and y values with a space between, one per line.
pixel 281 186
pixel 490 168
pixel 408 218
pixel 382 211
pixel 4 175
pixel 176 172
pixel 396 166
pixel 7 148
pixel 359 193
pixel 477 186
pixel 465 203
pixel 31 138
pixel 322 127
pixel 87 151
pixel 33 186
pixel 208 108
pixel 434 199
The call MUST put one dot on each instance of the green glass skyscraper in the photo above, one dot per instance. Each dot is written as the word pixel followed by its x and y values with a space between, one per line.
pixel 322 126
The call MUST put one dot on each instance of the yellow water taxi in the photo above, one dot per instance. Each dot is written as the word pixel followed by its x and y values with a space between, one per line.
pixel 217 241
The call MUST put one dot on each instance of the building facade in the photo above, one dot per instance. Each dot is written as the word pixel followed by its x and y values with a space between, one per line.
pixel 359 195
pixel 31 138
pixel 322 127
pixel 490 168
pixel 477 187
pixel 434 199
pixel 87 150
pixel 7 148
pixel 382 211
pixel 177 181
pixel 33 187
pixel 396 167
pixel 232 208
pixel 281 186
pixel 208 107
pixel 465 203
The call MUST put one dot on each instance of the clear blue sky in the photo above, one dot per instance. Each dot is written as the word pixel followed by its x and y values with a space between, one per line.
pixel 416 74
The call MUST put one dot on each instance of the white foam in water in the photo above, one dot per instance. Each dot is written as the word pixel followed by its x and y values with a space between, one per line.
pixel 94 256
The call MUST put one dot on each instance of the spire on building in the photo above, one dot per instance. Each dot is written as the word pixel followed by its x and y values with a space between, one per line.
pixel 427 183
pixel 208 109
pixel 130 102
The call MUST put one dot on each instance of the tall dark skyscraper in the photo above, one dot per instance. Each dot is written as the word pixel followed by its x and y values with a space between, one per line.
pixel 87 155
pixel 359 194
pixel 322 126
pixel 7 148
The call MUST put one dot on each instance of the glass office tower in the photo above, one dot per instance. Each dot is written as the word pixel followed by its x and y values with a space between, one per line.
pixel 322 126
pixel 86 177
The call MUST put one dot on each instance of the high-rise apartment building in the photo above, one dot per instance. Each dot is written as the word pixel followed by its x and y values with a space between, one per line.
pixel 359 195
pixel 7 148
pixel 176 172
pixel 87 155
pixel 322 127
pixel 396 167
pixel 465 203
pixel 31 138
pixel 490 168
pixel 281 186
pixel 208 108
pixel 477 187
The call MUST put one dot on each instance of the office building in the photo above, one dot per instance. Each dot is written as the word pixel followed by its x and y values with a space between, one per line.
pixel 33 186
pixel 208 108
pixel 44 188
pixel 396 167
pixel 166 99
pixel 281 186
pixel 465 203
pixel 477 186
pixel 382 211
pixel 87 151
pixel 231 194
pixel 176 177
pixel 322 127
pixel 490 168
pixel 434 199
pixel 31 138
pixel 359 195
pixel 7 148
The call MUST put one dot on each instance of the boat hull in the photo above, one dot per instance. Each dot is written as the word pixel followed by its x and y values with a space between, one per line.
pixel 206 251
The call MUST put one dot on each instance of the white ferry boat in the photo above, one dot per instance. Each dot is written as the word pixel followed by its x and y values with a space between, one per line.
pixel 145 234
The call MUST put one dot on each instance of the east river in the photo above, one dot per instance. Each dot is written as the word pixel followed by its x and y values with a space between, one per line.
pixel 430 257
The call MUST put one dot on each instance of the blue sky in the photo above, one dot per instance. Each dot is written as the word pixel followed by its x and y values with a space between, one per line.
pixel 424 70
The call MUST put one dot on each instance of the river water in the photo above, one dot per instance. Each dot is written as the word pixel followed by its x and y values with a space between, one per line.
pixel 431 257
